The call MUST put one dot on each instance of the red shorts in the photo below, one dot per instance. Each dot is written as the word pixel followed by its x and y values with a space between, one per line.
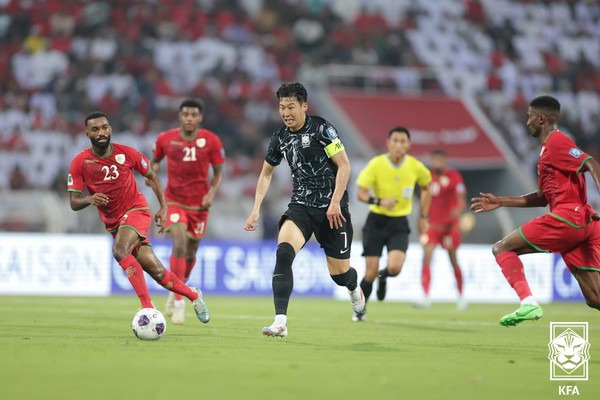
pixel 447 238
pixel 579 246
pixel 194 220
pixel 138 220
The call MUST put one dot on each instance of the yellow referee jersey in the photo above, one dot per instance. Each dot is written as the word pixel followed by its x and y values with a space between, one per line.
pixel 398 181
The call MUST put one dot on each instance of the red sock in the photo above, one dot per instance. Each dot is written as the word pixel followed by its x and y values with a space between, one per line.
pixel 426 278
pixel 189 266
pixel 512 268
pixel 135 274
pixel 459 281
pixel 172 283
pixel 177 265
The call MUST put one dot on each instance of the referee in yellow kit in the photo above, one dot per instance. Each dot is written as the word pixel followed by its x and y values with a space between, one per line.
pixel 387 183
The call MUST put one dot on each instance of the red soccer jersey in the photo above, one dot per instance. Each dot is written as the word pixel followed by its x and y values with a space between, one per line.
pixel 112 175
pixel 188 164
pixel 445 189
pixel 560 177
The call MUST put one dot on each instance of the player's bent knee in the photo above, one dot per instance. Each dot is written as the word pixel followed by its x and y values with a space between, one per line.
pixel 284 257
pixel 394 270
pixel 120 252
pixel 498 248
pixel 370 275
pixel 179 250
pixel 156 272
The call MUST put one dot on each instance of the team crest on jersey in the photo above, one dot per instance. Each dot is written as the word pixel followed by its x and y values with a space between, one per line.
pixel 305 140
pixel 444 180
pixel 575 152
pixel 120 158
pixel 69 179
pixel 174 218
pixel 331 132
pixel 201 142
pixel 144 163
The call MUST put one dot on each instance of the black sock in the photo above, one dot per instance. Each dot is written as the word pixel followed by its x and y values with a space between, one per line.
pixel 367 288
pixel 348 279
pixel 384 273
pixel 283 279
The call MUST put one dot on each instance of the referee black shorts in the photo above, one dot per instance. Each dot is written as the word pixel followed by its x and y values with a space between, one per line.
pixel 381 230
pixel 336 242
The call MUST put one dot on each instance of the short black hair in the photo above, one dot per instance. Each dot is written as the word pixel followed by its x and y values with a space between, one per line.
pixel 438 152
pixel 293 89
pixel 399 129
pixel 546 103
pixel 192 104
pixel 94 115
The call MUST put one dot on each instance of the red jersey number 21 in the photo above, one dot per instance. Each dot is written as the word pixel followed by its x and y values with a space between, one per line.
pixel 190 154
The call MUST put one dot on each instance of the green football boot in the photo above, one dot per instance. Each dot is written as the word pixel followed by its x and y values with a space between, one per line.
pixel 524 313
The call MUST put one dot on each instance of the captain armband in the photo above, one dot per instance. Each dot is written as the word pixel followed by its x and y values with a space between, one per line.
pixel 334 147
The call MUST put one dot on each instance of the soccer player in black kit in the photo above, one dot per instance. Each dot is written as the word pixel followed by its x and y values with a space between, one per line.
pixel 320 172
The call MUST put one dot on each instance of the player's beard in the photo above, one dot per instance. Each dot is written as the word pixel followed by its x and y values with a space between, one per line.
pixel 101 145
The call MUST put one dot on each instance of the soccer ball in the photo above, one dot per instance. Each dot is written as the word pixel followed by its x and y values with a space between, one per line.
pixel 148 324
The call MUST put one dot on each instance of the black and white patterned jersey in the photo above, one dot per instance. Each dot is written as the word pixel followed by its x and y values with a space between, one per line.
pixel 308 153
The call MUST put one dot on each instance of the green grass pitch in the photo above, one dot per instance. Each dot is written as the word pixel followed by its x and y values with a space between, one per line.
pixel 83 348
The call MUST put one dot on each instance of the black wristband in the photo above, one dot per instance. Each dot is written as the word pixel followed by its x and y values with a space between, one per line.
pixel 374 200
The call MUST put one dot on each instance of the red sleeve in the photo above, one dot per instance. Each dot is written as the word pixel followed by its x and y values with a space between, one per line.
pixel 158 149
pixel 459 185
pixel 217 152
pixel 75 178
pixel 138 160
pixel 565 155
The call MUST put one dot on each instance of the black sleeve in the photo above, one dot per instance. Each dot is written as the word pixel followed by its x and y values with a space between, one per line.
pixel 274 154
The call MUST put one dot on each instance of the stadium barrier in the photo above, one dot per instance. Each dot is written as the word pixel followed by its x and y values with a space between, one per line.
pixel 82 265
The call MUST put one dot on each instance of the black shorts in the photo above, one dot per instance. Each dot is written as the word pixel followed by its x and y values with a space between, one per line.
pixel 335 242
pixel 381 230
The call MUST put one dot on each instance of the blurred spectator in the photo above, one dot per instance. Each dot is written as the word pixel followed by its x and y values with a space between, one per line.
pixel 18 180
pixel 137 60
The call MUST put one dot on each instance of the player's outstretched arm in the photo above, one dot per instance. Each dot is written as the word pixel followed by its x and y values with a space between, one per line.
pixel 485 202
pixel 594 169
pixel 262 186
pixel 79 203
pixel 488 201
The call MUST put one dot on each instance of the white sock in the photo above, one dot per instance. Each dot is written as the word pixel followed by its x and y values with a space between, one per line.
pixel 530 301
pixel 179 303
pixel 280 319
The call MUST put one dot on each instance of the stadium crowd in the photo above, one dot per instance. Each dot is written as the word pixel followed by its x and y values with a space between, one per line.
pixel 137 59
